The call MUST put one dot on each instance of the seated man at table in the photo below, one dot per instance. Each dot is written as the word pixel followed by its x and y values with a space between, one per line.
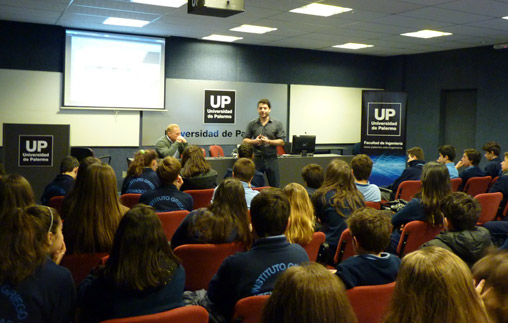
pixel 254 272
pixel 172 143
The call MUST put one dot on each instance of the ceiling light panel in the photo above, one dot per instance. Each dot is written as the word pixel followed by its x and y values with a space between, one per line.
pixel 426 33
pixel 353 46
pixel 125 22
pixel 163 3
pixel 222 38
pixel 322 10
pixel 253 29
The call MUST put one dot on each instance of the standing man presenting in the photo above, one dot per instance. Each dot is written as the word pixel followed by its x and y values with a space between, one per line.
pixel 265 134
pixel 172 143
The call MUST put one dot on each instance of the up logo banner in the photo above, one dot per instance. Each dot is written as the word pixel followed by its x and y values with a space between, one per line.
pixel 384 119
pixel 35 151
pixel 219 106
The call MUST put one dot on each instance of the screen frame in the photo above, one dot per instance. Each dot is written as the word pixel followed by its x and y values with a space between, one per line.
pixel 111 35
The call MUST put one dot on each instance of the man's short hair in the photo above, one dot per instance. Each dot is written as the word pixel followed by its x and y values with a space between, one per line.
pixel 269 211
pixel 362 166
pixel 416 152
pixel 171 127
pixel 168 170
pixel 313 175
pixel 447 150
pixel 372 229
pixel 245 151
pixel 68 164
pixel 462 210
pixel 244 169
pixel 473 155
pixel 265 101
pixel 492 147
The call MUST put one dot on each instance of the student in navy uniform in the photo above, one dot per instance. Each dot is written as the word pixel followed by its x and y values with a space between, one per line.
pixel 415 162
pixel 254 272
pixel 499 229
pixel 168 197
pixel 446 156
pixel 313 176
pixel 142 275
pixel 225 220
pixel 141 175
pixel 63 182
pixel 247 151
pixel 371 231
pixel 470 160
pixel 335 200
pixel 196 172
pixel 462 237
pixel 34 288
pixel 425 207
pixel 492 150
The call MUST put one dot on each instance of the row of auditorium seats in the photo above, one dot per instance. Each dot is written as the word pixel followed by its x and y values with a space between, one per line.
pixel 369 304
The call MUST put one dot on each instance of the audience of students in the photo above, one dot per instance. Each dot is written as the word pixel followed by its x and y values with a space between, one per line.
pixel 501 185
pixel 225 220
pixel 168 197
pixel 196 171
pixel 247 151
pixel 470 159
pixel 362 167
pixel 301 219
pixel 491 274
pixel 92 211
pixel 254 272
pixel 446 156
pixel 63 182
pixel 335 200
pixel 142 275
pixel 313 177
pixel 33 287
pixel 434 285
pixel 462 237
pixel 306 294
pixel 492 150
pixel 15 191
pixel 371 231
pixel 141 175
pixel 415 162
pixel 426 207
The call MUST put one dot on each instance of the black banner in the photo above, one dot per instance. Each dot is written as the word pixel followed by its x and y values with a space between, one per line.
pixel 384 133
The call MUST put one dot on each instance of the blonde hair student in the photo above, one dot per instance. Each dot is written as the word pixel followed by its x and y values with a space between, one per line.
pixel 301 218
pixel 434 285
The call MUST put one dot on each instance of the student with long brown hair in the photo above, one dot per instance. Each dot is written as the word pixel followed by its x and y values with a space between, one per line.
pixel 301 218
pixel 492 272
pixel 15 191
pixel 141 175
pixel 92 211
pixel 306 294
pixel 424 207
pixel 434 285
pixel 196 171
pixel 225 220
pixel 34 288
pixel 142 275
pixel 335 200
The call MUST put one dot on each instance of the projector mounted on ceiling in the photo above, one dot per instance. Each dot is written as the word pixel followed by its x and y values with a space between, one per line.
pixel 216 8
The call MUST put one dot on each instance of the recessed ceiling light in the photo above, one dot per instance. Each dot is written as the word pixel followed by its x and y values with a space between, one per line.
pixel 353 46
pixel 223 38
pixel 163 3
pixel 426 33
pixel 505 17
pixel 125 22
pixel 253 29
pixel 318 9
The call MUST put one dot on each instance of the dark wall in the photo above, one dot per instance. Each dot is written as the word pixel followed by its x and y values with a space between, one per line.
pixel 424 76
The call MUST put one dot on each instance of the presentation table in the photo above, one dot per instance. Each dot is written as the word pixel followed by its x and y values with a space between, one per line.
pixel 290 166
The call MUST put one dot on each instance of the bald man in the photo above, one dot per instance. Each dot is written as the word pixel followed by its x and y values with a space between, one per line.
pixel 172 143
